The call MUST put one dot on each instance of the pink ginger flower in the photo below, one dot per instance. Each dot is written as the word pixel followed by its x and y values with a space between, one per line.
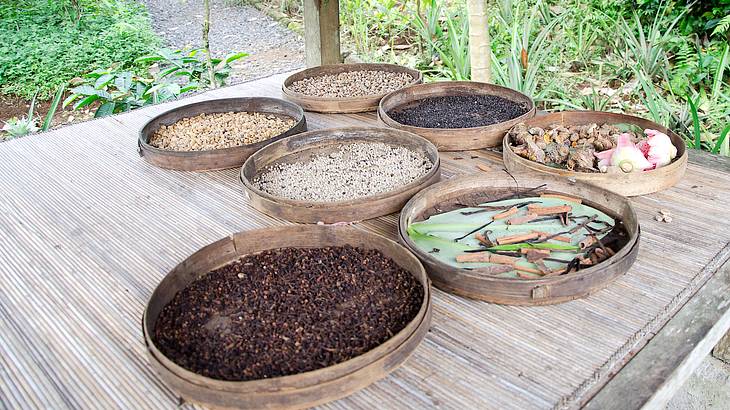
pixel 660 150
pixel 626 156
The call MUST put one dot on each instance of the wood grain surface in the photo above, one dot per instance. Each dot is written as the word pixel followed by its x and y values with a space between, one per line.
pixel 89 229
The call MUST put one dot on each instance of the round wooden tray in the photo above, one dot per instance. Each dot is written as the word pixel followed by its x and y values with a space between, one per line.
pixel 455 139
pixel 301 147
pixel 220 158
pixel 299 390
pixel 342 105
pixel 631 184
pixel 516 291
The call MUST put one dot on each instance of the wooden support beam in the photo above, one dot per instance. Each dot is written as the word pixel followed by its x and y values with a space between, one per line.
pixel 722 350
pixel 322 32
pixel 651 378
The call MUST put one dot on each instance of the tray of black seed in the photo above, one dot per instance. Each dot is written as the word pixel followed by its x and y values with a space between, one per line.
pixel 456 115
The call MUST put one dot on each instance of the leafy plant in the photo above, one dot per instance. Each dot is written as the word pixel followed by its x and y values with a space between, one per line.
pixel 118 91
pixel 648 49
pixel 46 43
pixel 20 127
pixel 448 45
pixel 47 122
pixel 187 65
pixel 525 57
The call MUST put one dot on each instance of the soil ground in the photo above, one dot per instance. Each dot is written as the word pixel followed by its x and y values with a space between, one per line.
pixel 272 48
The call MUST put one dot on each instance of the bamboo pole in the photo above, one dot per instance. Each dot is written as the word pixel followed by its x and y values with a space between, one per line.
pixel 480 51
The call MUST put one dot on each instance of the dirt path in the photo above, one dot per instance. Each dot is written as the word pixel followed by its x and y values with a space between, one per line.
pixel 272 48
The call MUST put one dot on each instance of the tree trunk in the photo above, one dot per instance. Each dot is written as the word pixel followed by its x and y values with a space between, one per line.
pixel 480 50
pixel 206 43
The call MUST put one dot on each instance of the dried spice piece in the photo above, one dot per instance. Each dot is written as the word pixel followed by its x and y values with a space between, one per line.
pixel 593 148
pixel 220 130
pixel 570 238
pixel 287 311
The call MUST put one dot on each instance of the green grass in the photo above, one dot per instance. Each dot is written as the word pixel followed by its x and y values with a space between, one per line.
pixel 45 43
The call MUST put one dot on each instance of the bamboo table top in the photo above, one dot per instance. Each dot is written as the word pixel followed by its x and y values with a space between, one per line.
pixel 88 229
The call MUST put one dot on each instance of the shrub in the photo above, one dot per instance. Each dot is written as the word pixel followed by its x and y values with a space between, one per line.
pixel 47 43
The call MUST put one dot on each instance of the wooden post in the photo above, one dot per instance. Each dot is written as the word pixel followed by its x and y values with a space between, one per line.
pixel 322 32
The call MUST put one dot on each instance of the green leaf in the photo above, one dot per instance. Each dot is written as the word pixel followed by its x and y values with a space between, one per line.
pixel 103 94
pixel 169 71
pixel 71 98
pixel 31 109
pixel 233 57
pixel 148 59
pixel 84 90
pixel 696 124
pixel 86 101
pixel 105 109
pixel 190 87
pixel 103 81
pixel 721 139
pixel 123 81
pixel 52 109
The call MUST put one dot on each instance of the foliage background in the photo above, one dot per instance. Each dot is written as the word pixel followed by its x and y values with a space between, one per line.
pixel 46 43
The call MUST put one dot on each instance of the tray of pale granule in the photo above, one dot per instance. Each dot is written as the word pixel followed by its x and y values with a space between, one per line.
pixel 217 134
pixel 339 174
pixel 347 88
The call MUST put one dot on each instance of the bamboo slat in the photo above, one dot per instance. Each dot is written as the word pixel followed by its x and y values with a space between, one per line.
pixel 88 229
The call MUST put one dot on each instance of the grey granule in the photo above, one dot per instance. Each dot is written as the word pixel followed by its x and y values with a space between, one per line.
pixel 353 171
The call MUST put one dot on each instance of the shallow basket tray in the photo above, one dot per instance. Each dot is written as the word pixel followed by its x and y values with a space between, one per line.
pixel 219 158
pixel 299 390
pixel 517 291
pixel 342 105
pixel 455 139
pixel 627 184
pixel 302 147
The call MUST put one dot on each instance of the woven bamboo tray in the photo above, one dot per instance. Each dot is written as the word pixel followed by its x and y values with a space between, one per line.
pixel 342 105
pixel 446 195
pixel 301 147
pixel 627 184
pixel 299 390
pixel 220 158
pixel 455 139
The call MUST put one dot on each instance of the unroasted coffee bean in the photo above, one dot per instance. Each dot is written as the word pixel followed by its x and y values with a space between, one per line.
pixel 220 130
pixel 353 171
pixel 352 84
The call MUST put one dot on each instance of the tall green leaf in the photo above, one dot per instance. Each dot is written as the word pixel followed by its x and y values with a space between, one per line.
pixel 52 109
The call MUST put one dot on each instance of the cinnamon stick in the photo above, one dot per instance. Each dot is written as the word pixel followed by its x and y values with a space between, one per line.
pixel 485 257
pixel 473 257
pixel 562 197
pixel 505 240
pixel 587 242
pixel 506 213
pixel 549 210
pixel 519 220
pixel 546 236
